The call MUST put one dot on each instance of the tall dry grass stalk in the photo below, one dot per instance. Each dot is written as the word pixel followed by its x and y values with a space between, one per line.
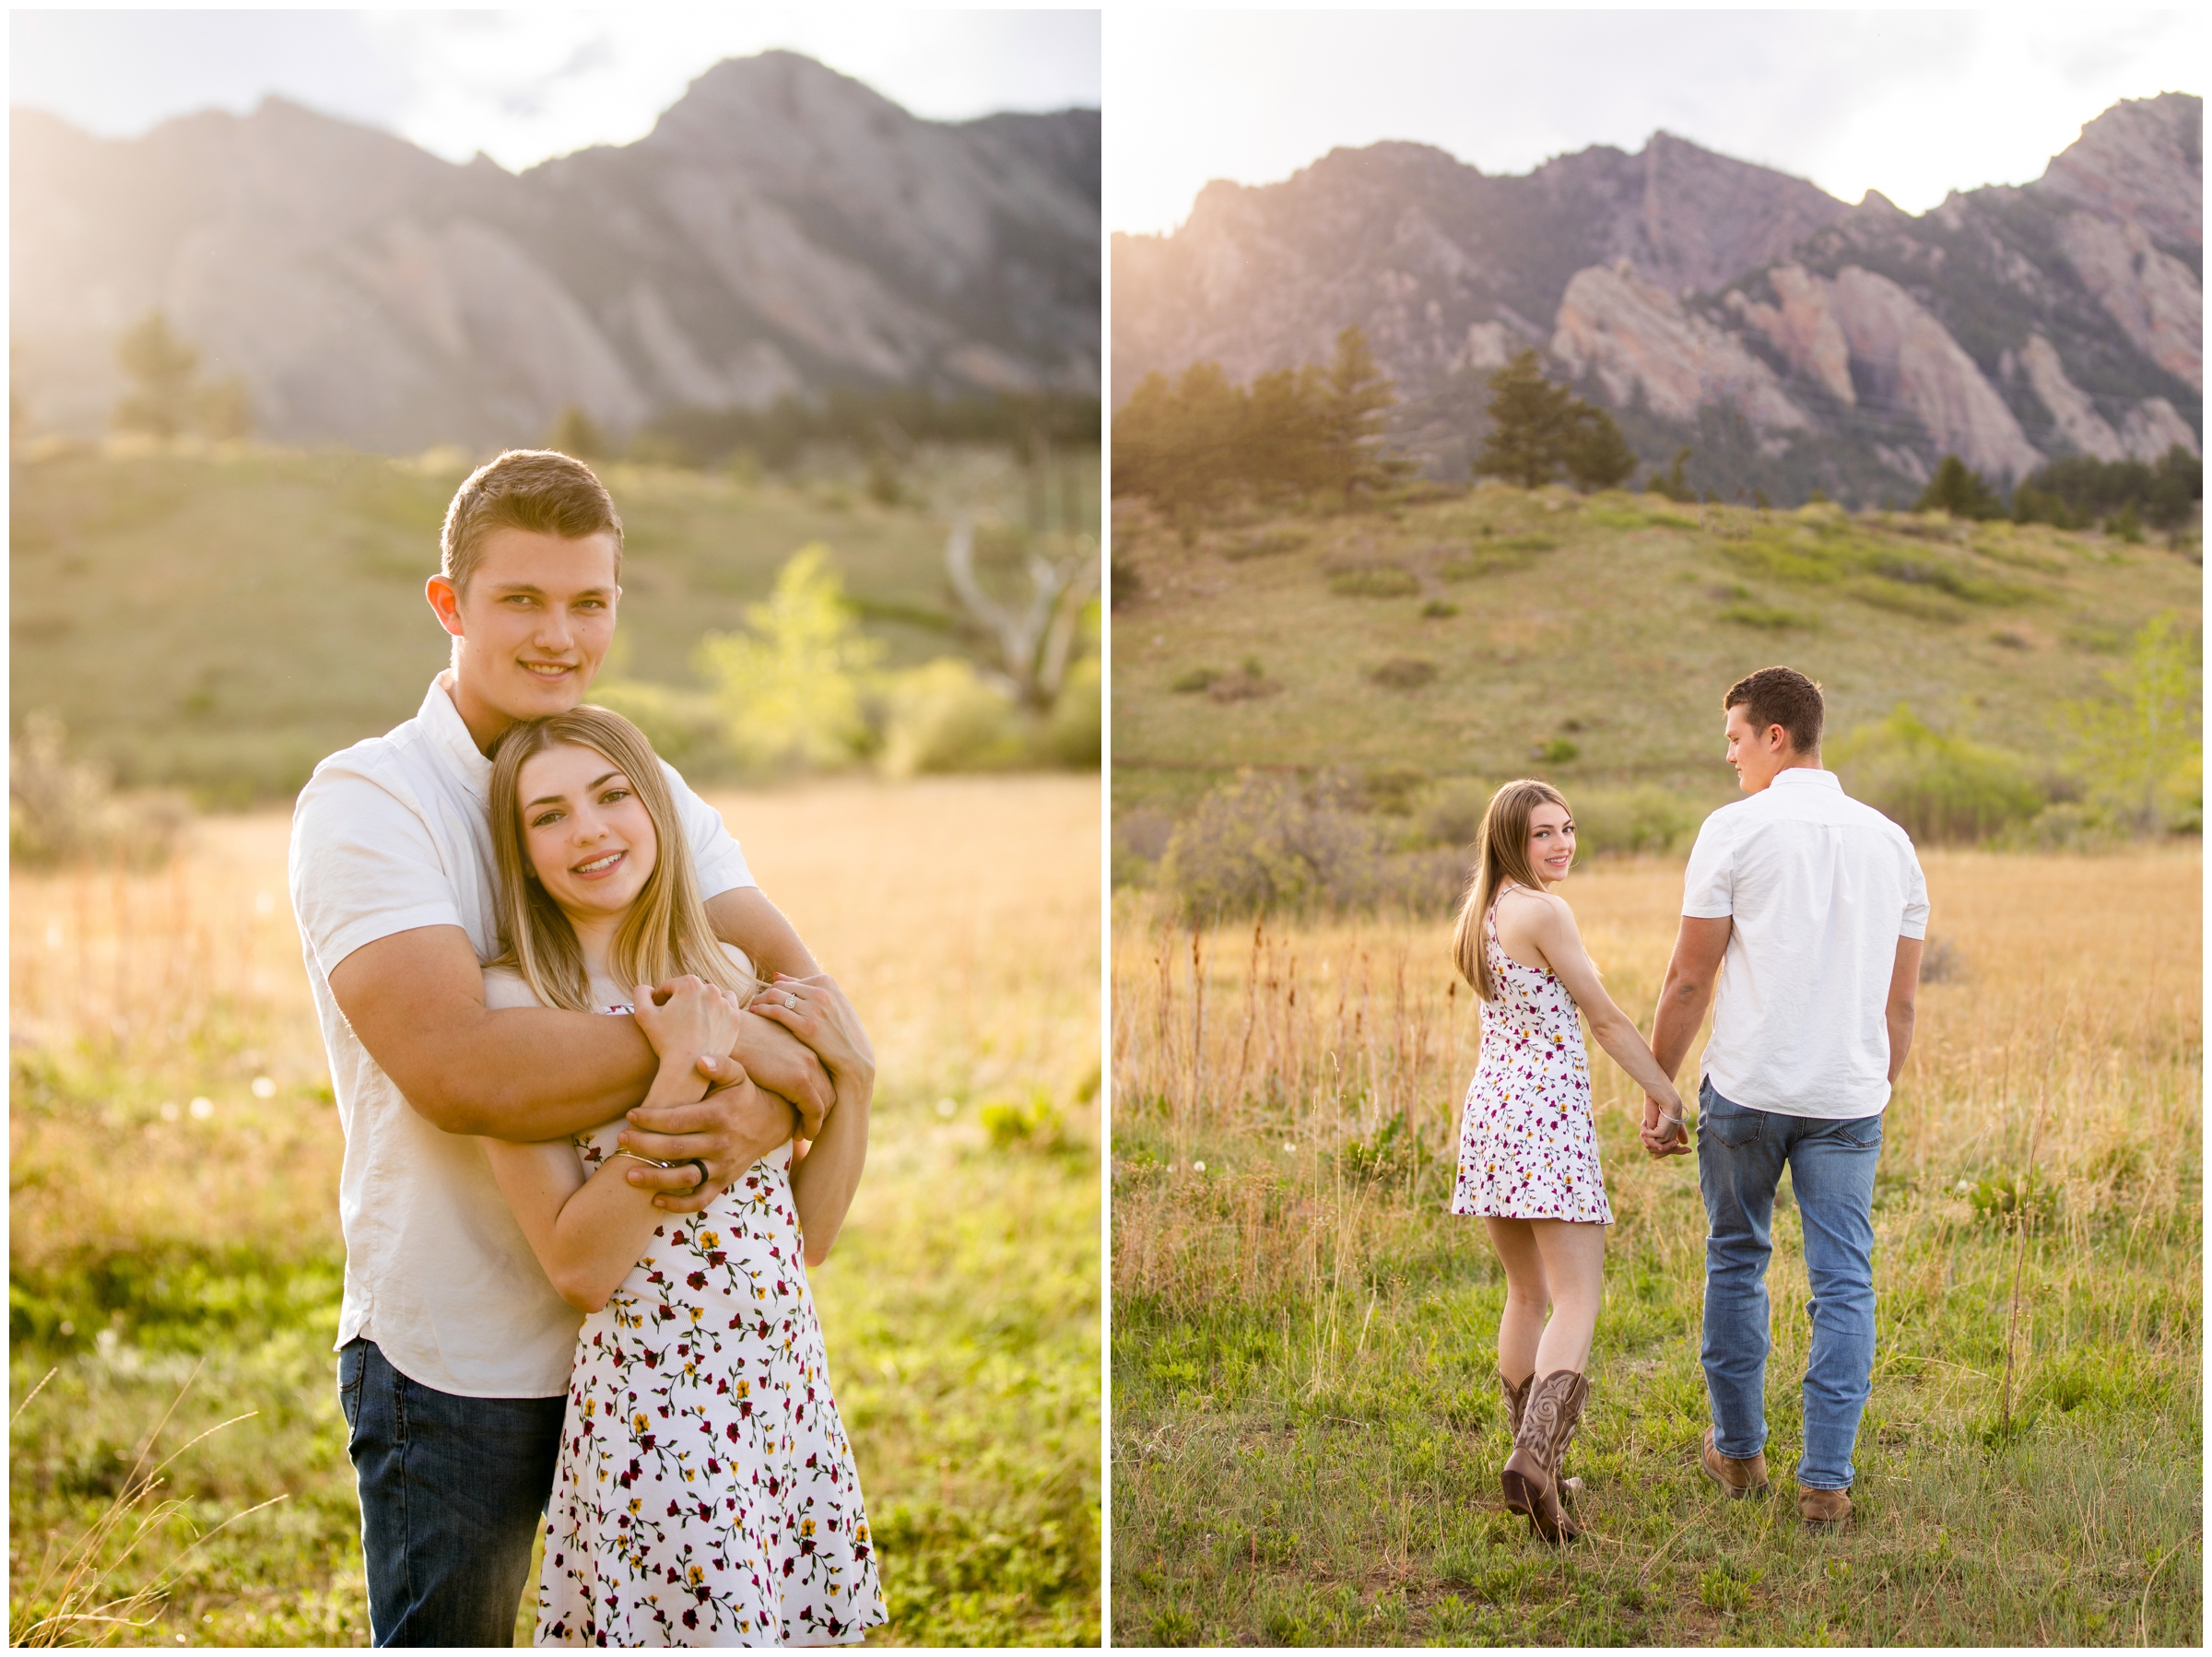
pixel 72 1598
pixel 1280 1058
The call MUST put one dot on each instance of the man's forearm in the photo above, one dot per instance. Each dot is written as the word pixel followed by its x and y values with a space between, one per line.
pixel 1901 1040
pixel 526 1074
pixel 1674 1024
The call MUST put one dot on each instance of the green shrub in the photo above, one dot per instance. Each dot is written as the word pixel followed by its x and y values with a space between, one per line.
pixel 684 726
pixel 1265 546
pixel 1270 844
pixel 1611 822
pixel 1074 735
pixel 1438 609
pixel 942 717
pixel 1402 673
pixel 63 810
pixel 1190 682
pixel 1767 618
pixel 1375 581
pixel 1937 787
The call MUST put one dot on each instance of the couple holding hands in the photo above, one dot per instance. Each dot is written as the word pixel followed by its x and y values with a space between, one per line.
pixel 1806 911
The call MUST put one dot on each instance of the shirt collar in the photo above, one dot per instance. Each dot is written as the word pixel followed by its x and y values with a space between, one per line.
pixel 1799 776
pixel 449 735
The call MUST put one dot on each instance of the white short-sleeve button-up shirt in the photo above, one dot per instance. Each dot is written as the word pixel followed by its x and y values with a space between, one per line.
pixel 1820 887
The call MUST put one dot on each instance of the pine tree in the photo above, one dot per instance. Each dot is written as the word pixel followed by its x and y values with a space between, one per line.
pixel 1531 421
pixel 576 434
pixel 1598 457
pixel 1358 397
pixel 1958 491
pixel 160 367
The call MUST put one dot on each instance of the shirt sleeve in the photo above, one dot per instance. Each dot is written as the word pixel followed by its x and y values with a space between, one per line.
pixel 1709 884
pixel 364 865
pixel 1915 922
pixel 721 864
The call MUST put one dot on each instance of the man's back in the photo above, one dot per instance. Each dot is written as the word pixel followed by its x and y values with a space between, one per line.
pixel 1818 889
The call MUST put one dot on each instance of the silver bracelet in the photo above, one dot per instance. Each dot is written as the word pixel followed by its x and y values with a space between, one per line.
pixel 698 1162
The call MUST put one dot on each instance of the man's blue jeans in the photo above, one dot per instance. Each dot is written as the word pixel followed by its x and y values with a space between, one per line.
pixel 453 1490
pixel 1741 1154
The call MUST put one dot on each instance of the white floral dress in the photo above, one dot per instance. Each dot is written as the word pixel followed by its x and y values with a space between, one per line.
pixel 1527 1141
pixel 705 1493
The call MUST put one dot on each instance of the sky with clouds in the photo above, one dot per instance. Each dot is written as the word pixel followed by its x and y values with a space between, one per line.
pixel 525 85
pixel 1912 104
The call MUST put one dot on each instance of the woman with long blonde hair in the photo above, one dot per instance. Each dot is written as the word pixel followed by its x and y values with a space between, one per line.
pixel 1528 1143
pixel 705 1493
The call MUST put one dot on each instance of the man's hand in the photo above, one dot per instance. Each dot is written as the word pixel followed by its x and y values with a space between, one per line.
pixel 1660 1136
pixel 731 1129
pixel 779 1063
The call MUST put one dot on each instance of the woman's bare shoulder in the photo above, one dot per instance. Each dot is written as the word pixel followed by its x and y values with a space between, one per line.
pixel 504 987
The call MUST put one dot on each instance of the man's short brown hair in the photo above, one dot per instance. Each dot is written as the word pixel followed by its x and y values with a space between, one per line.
pixel 535 489
pixel 1781 695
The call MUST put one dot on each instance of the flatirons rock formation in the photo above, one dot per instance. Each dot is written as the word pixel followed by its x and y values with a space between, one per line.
pixel 781 229
pixel 1794 340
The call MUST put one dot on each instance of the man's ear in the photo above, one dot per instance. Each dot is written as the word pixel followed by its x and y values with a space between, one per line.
pixel 446 602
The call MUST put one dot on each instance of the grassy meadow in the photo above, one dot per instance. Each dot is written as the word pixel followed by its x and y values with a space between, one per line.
pixel 1306 1427
pixel 1480 633
pixel 174 1176
pixel 272 601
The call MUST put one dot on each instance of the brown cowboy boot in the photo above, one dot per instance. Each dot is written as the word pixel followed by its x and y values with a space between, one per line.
pixel 1531 1476
pixel 1516 1399
pixel 1739 1477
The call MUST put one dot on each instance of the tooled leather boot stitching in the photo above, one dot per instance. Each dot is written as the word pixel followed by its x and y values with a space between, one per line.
pixel 1531 1476
pixel 1517 1398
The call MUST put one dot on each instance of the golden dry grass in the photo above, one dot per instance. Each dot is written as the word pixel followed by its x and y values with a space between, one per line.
pixel 961 1309
pixel 1307 1276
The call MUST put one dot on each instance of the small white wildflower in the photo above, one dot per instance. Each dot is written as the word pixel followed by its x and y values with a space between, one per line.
pixel 264 1088
pixel 202 1108
pixel 1199 1166
pixel 1288 1148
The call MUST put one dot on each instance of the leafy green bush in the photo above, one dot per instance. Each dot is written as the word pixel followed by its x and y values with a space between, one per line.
pixel 1375 581
pixel 1935 786
pixel 65 810
pixel 1270 844
pixel 942 717
pixel 1623 821
pixel 686 727
pixel 1767 618
pixel 1264 546
pixel 791 684
pixel 1402 673
pixel 2143 751
pixel 1073 736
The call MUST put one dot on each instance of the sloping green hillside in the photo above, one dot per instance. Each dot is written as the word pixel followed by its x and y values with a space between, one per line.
pixel 225 622
pixel 1501 633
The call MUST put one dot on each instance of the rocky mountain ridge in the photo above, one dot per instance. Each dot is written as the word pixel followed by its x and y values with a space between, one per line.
pixel 1794 340
pixel 783 228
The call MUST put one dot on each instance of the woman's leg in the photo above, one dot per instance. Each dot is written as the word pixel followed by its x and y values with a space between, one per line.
pixel 1572 1260
pixel 1527 1297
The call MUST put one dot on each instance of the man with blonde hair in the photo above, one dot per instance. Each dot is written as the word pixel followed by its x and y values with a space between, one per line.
pixel 454 1348
pixel 1808 909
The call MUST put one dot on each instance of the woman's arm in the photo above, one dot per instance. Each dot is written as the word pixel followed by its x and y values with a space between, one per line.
pixel 1548 925
pixel 586 1233
pixel 816 1010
